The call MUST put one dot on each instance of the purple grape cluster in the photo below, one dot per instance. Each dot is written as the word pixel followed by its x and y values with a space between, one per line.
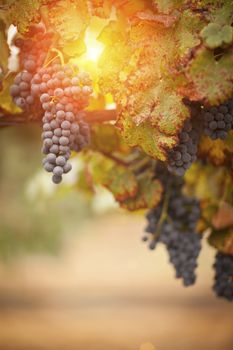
pixel 34 47
pixel 33 51
pixel 181 157
pixel 176 228
pixel 62 92
pixel 21 90
pixel 183 249
pixel 223 284
pixel 62 95
pixel 218 121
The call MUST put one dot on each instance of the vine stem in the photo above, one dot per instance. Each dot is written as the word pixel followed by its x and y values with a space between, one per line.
pixel 92 117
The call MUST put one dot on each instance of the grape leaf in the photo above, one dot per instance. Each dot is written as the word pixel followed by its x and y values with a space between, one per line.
pixel 106 139
pixel 85 182
pixel 215 36
pixel 128 8
pixel 222 240
pixel 186 33
pixel 224 217
pixel 148 195
pixel 210 80
pixel 206 182
pixel 101 8
pixel 112 175
pixel 5 99
pixel 5 52
pixel 222 12
pixel 159 115
pixel 167 6
pixel 23 13
pixel 74 48
pixel 68 18
pixel 144 135
pixel 218 152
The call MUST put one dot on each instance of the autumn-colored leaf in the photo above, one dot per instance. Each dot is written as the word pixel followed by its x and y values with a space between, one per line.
pixel 5 52
pixel 148 195
pixel 219 152
pixel 210 79
pixel 112 175
pixel 222 240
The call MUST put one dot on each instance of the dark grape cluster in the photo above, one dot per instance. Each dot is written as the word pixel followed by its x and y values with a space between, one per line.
pixel 21 90
pixel 223 284
pixel 176 228
pixel 63 94
pixel 33 51
pixel 34 47
pixel 181 157
pixel 182 241
pixel 62 91
pixel 218 121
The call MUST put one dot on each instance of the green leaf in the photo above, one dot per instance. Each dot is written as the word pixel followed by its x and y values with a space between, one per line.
pixel 222 12
pixel 222 240
pixel 215 36
pixel 186 32
pixel 210 80
pixel 148 195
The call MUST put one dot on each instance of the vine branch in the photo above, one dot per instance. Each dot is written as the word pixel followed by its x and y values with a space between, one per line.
pixel 92 117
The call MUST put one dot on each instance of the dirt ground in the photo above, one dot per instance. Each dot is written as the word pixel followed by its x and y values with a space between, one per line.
pixel 108 292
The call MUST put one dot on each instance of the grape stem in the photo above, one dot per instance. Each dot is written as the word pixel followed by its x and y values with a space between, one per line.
pixel 59 54
pixel 163 215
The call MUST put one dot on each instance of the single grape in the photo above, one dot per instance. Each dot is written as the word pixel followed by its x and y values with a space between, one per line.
pixel 56 179
pixel 58 170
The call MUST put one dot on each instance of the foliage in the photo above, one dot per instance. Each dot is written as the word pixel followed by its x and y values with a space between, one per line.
pixel 157 54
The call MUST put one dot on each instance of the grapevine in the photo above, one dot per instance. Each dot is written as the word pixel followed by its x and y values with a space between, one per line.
pixel 166 143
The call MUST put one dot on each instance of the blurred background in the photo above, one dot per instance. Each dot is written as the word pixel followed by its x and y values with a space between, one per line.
pixel 75 275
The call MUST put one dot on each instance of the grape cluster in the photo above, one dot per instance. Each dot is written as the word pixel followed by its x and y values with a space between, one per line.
pixel 218 121
pixel 34 47
pixel 33 51
pixel 223 285
pixel 61 91
pixel 182 241
pixel 181 157
pixel 21 90
pixel 176 228
pixel 62 95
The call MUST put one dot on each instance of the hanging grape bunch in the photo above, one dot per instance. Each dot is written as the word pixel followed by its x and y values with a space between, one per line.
pixel 218 121
pixel 63 96
pixel 63 93
pixel 181 157
pixel 173 223
pixel 33 51
pixel 223 285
